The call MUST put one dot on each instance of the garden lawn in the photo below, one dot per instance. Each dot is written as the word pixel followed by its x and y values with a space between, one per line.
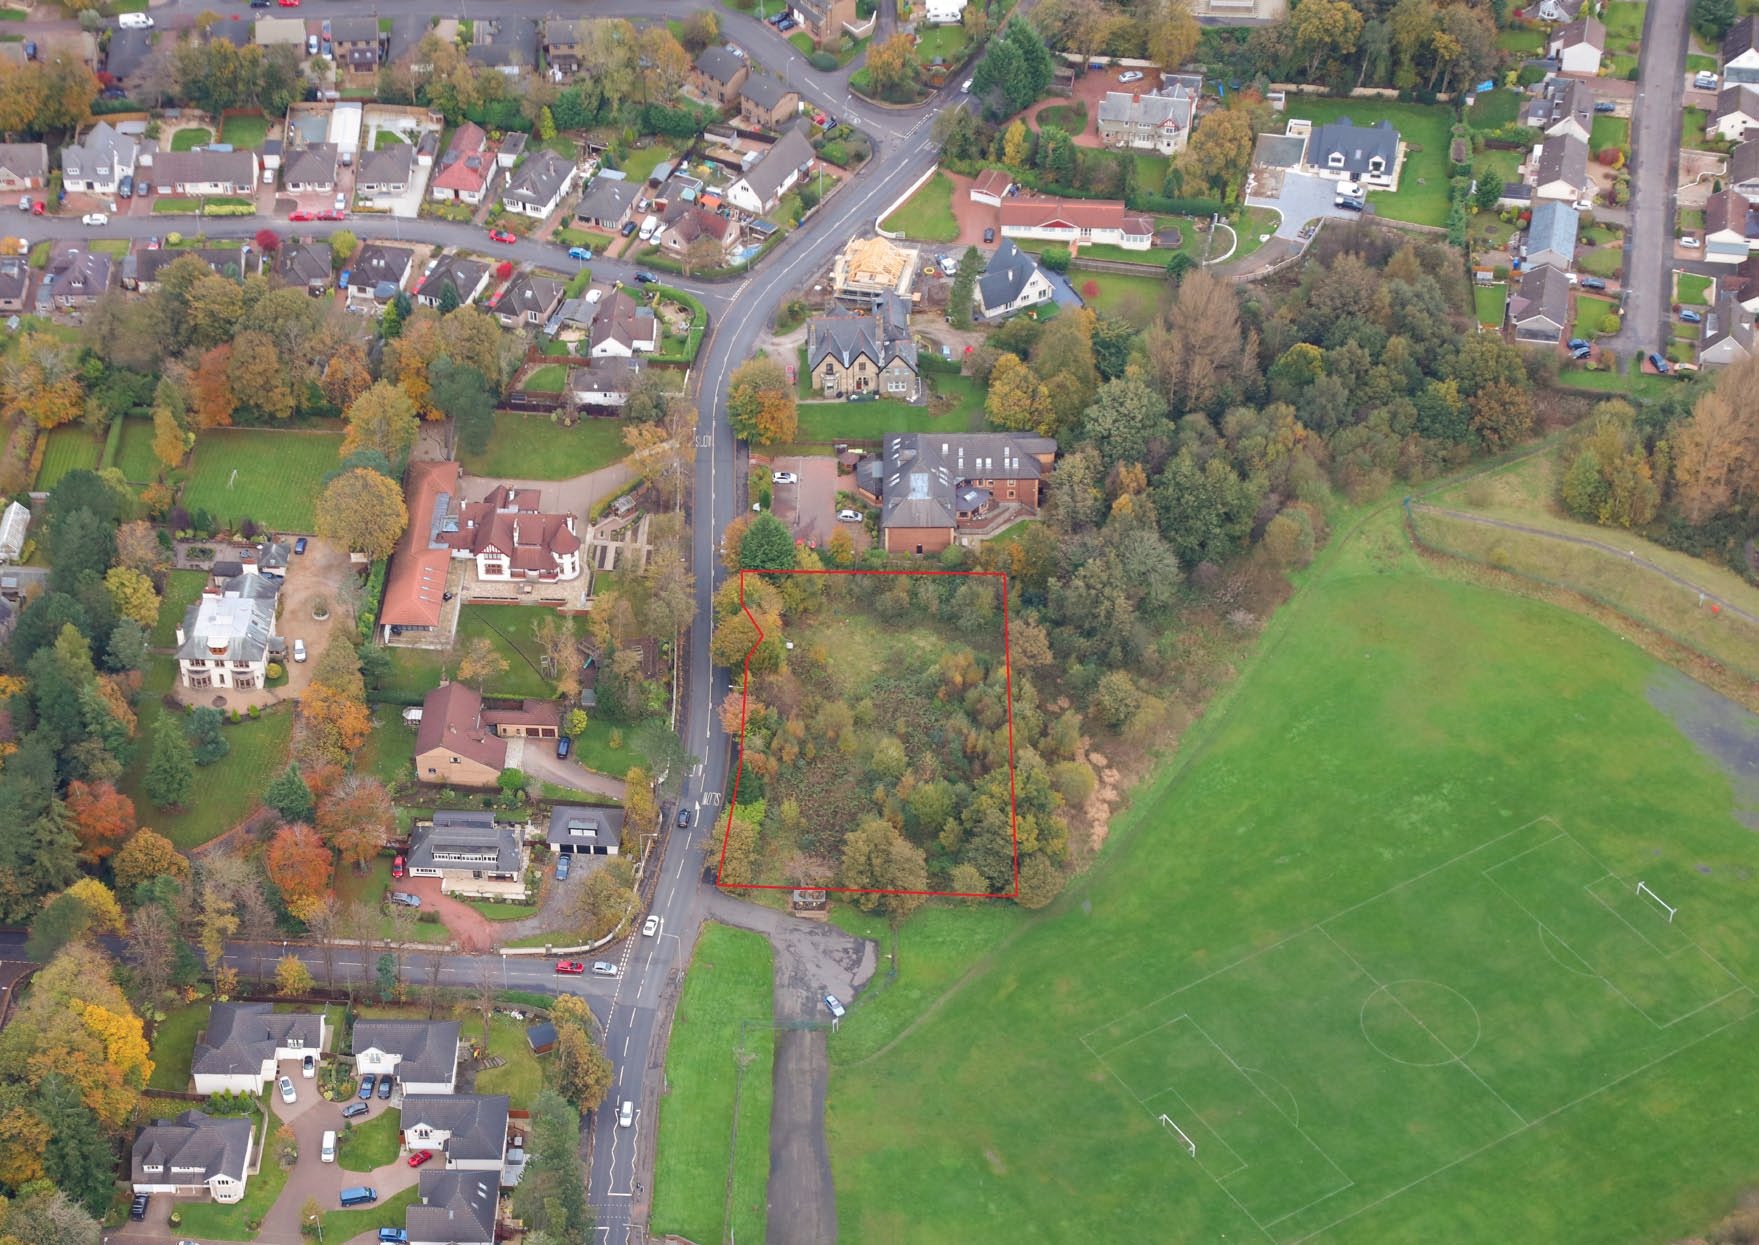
pixel 1602 261
pixel 1254 227
pixel 1132 298
pixel 135 457
pixel 508 629
pixel 529 446
pixel 371 887
pixel 70 448
pixel 389 753
pixel 642 161
pixel 1693 123
pixel 927 216
pixel 244 132
pixel 1591 310
pixel 1521 42
pixel 729 982
pixel 174 1046
pixel 594 750
pixel 502 911
pixel 1610 132
pixel 946 42
pixel 550 378
pixel 1071 118
pixel 1624 23
pixel 228 1223
pixel 1422 197
pixel 869 421
pixel 190 139
pixel 1691 288
pixel 1645 386
pixel 521 1077
pixel 1495 109
pixel 226 791
pixel 1490 300
pixel 182 588
pixel 369 1146
pixel 1481 781
pixel 279 474
pixel 343 1225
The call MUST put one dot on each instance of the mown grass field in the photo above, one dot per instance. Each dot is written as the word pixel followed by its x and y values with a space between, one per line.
pixel 1372 941
pixel 507 628
pixel 280 474
pixel 927 216
pixel 135 457
pixel 527 446
pixel 1422 197
pixel 1490 302
pixel 70 448
pixel 729 981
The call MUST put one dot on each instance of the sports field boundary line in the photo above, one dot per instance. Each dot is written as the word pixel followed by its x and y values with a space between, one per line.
pixel 1532 1124
pixel 1595 895
pixel 1315 925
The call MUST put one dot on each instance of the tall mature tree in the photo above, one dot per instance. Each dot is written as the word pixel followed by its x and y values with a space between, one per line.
pixel 767 545
pixel 147 855
pixel 300 865
pixel 382 419
pixel 103 818
pixel 481 662
pixel 170 772
pixel 1200 347
pixel 363 511
pixel 289 796
pixel 551 1198
pixel 877 858
pixel 356 818
pixel 760 402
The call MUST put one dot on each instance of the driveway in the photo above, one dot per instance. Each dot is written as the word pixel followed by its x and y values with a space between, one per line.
pixel 470 929
pixel 1303 198
pixel 319 572
pixel 539 760
pixel 575 495
pixel 1655 141
pixel 809 508
pixel 310 1118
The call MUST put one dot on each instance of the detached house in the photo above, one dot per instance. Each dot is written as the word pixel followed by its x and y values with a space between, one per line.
pixel 935 488
pixel 1073 222
pixel 604 382
pixel 98 164
pixel 193 1154
pixel 1540 310
pixel 622 329
pixel 1737 111
pixel 776 172
pixel 607 202
pixel 692 223
pixel 468 1132
pixel 1011 282
pixel 511 539
pixel 142 269
pixel 823 20
pixel 1157 121
pixel 378 271
pixel 245 1044
pixel 1577 47
pixel 422 1054
pixel 358 45
pixel 1563 105
pixel 1558 169
pixel 868 269
pixel 455 1208
pixel 1357 153
pixel 585 830
pixel 304 263
pixel 471 854
pixel 1728 334
pixel 537 186
pixel 717 76
pixel 1730 227
pixel 465 166
pixel 15 280
pixel 1740 52
pixel 416 582
pixel 385 173
pixel 529 301
pixel 849 354
pixel 466 278
pixel 226 636
pixel 562 47
pixel 23 167
pixel 767 103
pixel 74 278
pixel 505 44
pixel 1743 169
pixel 1551 237
pixel 207 172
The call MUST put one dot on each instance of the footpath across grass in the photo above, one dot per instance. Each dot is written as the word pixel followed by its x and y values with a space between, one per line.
pixel 1396 983
pixel 729 982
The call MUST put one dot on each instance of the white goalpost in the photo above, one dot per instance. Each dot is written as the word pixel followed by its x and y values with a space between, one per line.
pixel 1643 889
pixel 1189 1144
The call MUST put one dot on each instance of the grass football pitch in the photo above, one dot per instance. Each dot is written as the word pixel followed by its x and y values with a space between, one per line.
pixel 1374 946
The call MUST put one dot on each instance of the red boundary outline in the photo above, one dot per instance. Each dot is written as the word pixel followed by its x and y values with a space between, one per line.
pixel 739 763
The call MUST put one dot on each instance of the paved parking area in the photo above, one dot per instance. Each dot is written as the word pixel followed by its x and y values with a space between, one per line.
pixel 319 572
pixel 1303 198
pixel 809 508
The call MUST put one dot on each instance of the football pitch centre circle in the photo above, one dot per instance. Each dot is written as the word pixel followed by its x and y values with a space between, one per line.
pixel 1421 1023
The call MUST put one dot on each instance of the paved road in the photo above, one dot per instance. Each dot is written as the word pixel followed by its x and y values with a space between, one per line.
pixel 1655 144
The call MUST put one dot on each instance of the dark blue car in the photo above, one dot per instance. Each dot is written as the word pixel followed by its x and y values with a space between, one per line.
pixel 367 1084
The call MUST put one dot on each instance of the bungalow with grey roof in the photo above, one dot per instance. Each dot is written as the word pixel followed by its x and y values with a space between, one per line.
pixel 1551 237
pixel 1540 309
pixel 23 167
pixel 311 169
pixel 537 186
pixel 245 1043
pixel 607 202
pixel 464 277
pixel 776 172
pixel 471 853
pixel 455 1208
pixel 529 301
pixel 304 263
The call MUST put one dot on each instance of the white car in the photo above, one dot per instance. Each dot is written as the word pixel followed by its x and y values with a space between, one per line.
pixel 1133 75
pixel 650 927
pixel 1691 244
pixel 849 516
pixel 299 650
pixel 784 477
pixel 341 203
pixel 626 1114
pixel 134 21
pixel 287 1094
pixel 834 1006
pixel 94 218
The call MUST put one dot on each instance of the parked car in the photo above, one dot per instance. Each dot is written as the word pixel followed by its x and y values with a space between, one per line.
pixel 818 118
pixel 137 1209
pixel 650 927
pixel 419 1157
pixel 1581 352
pixel 354 1110
pixel 570 968
pixel 834 1006
pixel 1605 105
pixel 299 650
pixel 135 21
pixel 786 24
pixel 404 899
pixel 299 545
pixel 1576 343
pixel 629 227
pixel 1658 363
pixel 94 219
pixel 849 516
pixel 397 866
pixel 1691 317
pixel 290 4
pixel 332 214
pixel 582 253
pixel 784 477
pixel 302 216
pixel 604 968
pixel 288 1094
pixel 308 1067
pixel 563 744
pixel 368 1084
pixel 1130 75
pixel 501 235
pixel 626 1114
pixel 645 278
pixel 385 1082
pixel 262 4
pixel 1691 244
pixel 1593 283
pixel 562 866
pixel 126 189
pixel 38 208
pixel 393 1236
pixel 966 89
pixel 311 45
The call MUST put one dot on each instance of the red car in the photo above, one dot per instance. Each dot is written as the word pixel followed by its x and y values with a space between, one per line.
pixel 332 214
pixel 571 968
pixel 818 118
pixel 290 4
pixel 397 867
pixel 419 1157
pixel 501 235
pixel 303 216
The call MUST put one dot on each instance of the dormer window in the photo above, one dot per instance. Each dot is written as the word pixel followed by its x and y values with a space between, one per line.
pixel 1376 164
pixel 1335 160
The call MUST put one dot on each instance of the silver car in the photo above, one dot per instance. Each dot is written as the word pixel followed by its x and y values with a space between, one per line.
pixel 287 1092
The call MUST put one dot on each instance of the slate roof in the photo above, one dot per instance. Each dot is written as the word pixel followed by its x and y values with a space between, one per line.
pixel 1563 157
pixel 388 166
pixel 149 265
pixel 103 147
pixel 126 51
pixel 377 263
pixel 719 64
pixel 302 263
pixel 1743 162
pixel 1356 143
pixel 180 168
pixel 1553 229
pixel 1155 108
pixel 1006 275
pixel 619 319
pixel 1729 321
pixel 1562 97
pixel 15 278
pixel 242 1036
pixel 78 273
pixel 584 826
pixel 512 41
pixel 451 716
pixel 1584 29
pixel 529 293
pixel 765 91
pixel 1740 97
pixel 25 160
pixel 1725 211
pixel 311 165
pixel 778 164
pixel 477 1122
pixel 355 29
pixel 1743 36
pixel 845 336
pixel 191 1148
pixel 607 198
pixel 463 275
pixel 235 625
pixel 427 1049
pixel 1544 293
pixel 455 1206
pixel 609 375
pixel 539 178
pixel 921 472
pixel 464 840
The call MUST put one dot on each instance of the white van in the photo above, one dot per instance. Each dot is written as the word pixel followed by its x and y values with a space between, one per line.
pixel 327 1152
pixel 135 21
pixel 649 227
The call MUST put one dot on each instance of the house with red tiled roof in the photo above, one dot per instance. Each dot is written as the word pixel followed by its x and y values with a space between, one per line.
pixel 465 167
pixel 416 581
pixel 1076 222
pixel 991 187
pixel 694 223
pixel 511 539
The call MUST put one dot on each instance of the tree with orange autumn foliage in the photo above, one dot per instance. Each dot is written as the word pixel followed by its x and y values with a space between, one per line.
pixel 39 382
pixel 102 818
pixel 332 725
pixel 211 400
pixel 144 857
pixel 299 863
pixel 357 819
